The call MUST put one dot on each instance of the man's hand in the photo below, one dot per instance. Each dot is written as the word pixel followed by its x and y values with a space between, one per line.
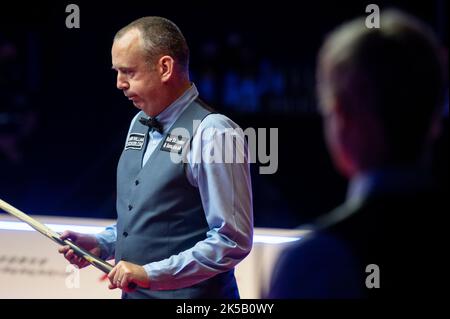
pixel 124 273
pixel 88 242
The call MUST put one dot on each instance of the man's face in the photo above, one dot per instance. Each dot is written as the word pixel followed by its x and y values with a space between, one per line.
pixel 135 77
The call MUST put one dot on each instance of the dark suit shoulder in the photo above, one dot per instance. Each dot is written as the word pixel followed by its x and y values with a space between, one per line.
pixel 319 266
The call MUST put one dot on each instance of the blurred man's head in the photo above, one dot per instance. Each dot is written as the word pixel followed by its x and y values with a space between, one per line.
pixel 152 60
pixel 380 92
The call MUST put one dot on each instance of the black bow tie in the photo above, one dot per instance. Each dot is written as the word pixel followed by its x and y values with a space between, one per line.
pixel 152 123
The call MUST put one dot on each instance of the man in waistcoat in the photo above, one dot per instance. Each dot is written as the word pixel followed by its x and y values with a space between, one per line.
pixel 183 223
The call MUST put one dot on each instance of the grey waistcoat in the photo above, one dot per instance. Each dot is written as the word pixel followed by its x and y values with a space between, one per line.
pixel 160 213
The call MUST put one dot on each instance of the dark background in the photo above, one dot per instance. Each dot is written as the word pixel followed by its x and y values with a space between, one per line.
pixel 63 123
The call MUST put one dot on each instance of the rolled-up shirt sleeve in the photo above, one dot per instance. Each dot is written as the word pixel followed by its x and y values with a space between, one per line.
pixel 226 194
pixel 107 241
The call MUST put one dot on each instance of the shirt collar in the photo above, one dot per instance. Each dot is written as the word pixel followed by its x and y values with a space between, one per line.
pixel 387 180
pixel 171 113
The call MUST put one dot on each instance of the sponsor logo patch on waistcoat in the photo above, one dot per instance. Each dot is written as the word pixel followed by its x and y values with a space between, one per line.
pixel 135 141
pixel 174 143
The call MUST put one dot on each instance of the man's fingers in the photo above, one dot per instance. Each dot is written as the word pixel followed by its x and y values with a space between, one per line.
pixel 111 274
pixel 72 258
pixel 117 277
pixel 82 263
pixel 124 281
pixel 69 234
pixel 69 254
pixel 64 235
pixel 63 249
pixel 112 286
pixel 77 260
pixel 120 277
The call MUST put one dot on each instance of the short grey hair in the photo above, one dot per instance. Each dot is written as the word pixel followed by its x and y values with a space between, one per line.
pixel 160 36
pixel 393 72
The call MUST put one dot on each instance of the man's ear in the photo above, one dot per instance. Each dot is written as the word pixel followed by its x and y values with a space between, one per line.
pixel 340 113
pixel 166 67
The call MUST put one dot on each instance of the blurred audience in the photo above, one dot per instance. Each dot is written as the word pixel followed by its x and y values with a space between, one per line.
pixel 17 120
